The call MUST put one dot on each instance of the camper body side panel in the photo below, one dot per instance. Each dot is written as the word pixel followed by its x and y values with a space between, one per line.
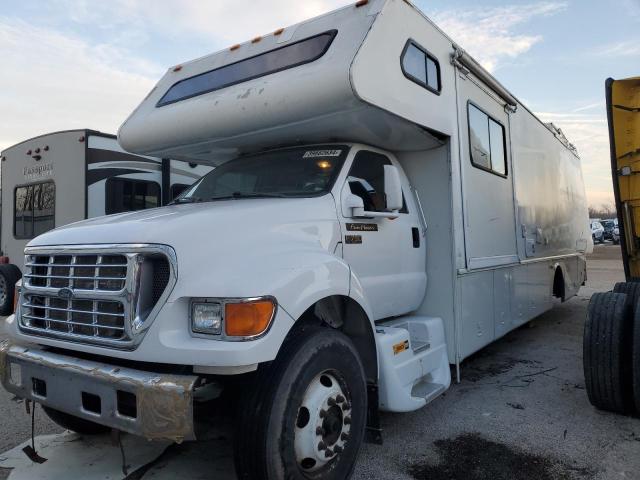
pixel 62 163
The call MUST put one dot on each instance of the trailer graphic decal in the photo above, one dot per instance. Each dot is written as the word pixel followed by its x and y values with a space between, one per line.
pixel 38 171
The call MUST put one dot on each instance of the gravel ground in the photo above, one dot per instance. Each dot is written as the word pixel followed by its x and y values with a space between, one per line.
pixel 520 412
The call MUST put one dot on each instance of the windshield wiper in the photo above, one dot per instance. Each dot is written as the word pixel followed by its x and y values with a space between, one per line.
pixel 249 195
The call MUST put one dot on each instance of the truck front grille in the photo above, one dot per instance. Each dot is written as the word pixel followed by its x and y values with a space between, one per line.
pixel 98 297
pixel 94 318
pixel 86 272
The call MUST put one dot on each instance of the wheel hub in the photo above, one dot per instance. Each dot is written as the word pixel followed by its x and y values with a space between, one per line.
pixel 323 423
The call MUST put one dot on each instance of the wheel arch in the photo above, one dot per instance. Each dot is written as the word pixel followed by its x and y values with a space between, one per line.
pixel 559 286
pixel 344 313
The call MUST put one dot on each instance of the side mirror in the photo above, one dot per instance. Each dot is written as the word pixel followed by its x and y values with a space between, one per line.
pixel 392 188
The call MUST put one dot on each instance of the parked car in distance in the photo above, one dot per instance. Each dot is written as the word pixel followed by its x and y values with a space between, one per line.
pixel 615 236
pixel 597 231
pixel 608 226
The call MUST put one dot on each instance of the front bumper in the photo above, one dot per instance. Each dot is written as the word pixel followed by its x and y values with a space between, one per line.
pixel 152 405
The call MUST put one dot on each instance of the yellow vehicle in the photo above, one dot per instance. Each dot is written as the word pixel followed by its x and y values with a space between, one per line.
pixel 623 112
pixel 612 329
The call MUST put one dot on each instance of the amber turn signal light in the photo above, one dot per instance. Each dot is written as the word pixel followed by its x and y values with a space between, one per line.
pixel 248 319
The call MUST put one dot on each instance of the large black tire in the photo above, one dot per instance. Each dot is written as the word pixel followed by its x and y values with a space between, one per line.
pixel 631 290
pixel 271 413
pixel 75 424
pixel 9 275
pixel 635 358
pixel 607 352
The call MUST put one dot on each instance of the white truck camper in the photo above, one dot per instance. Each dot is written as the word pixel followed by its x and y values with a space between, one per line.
pixel 381 209
pixel 63 177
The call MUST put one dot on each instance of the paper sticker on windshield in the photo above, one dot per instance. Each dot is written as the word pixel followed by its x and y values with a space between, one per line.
pixel 321 153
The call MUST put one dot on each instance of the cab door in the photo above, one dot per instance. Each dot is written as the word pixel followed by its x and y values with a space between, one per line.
pixel 386 255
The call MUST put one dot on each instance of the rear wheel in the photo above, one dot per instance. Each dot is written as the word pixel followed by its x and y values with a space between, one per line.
pixel 635 358
pixel 9 275
pixel 75 424
pixel 631 289
pixel 607 352
pixel 305 415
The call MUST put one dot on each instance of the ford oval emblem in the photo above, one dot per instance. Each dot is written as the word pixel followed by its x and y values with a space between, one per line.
pixel 65 293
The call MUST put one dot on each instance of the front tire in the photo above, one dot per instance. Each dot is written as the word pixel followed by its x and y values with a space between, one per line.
pixel 305 414
pixel 9 275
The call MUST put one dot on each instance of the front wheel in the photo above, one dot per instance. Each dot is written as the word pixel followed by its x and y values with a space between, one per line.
pixel 9 275
pixel 305 415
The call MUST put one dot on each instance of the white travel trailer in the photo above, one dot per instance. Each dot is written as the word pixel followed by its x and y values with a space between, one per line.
pixel 63 177
pixel 382 208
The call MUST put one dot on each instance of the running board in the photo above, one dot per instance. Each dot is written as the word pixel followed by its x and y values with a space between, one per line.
pixel 414 367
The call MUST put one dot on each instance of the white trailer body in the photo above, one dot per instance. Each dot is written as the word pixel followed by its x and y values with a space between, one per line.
pixel 64 177
pixel 426 213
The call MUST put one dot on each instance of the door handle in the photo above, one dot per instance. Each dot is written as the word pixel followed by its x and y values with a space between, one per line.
pixel 415 234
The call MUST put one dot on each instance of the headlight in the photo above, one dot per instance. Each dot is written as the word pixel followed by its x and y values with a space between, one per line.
pixel 206 318
pixel 232 318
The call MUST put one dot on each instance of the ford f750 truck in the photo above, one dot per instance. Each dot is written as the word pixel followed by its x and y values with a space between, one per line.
pixel 381 208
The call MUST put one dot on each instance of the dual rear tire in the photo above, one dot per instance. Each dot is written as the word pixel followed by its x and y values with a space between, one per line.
pixel 611 349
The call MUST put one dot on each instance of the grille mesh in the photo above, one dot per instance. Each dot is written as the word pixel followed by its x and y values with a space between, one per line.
pixel 161 273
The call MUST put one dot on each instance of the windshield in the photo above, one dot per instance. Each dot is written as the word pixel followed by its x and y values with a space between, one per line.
pixel 294 172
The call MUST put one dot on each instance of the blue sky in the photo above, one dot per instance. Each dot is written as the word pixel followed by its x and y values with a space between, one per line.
pixel 80 63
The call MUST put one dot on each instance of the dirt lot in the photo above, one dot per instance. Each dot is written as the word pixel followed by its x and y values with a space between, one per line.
pixel 520 412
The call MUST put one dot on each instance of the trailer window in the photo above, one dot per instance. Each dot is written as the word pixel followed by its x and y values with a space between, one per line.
pixel 486 142
pixel 289 56
pixel 34 209
pixel 366 180
pixel 126 195
pixel 421 67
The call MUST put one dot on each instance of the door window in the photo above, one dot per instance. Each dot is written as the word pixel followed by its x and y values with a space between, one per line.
pixel 486 142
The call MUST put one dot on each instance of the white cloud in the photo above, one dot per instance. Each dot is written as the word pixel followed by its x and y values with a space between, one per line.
pixel 229 22
pixel 628 48
pixel 53 81
pixel 488 33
